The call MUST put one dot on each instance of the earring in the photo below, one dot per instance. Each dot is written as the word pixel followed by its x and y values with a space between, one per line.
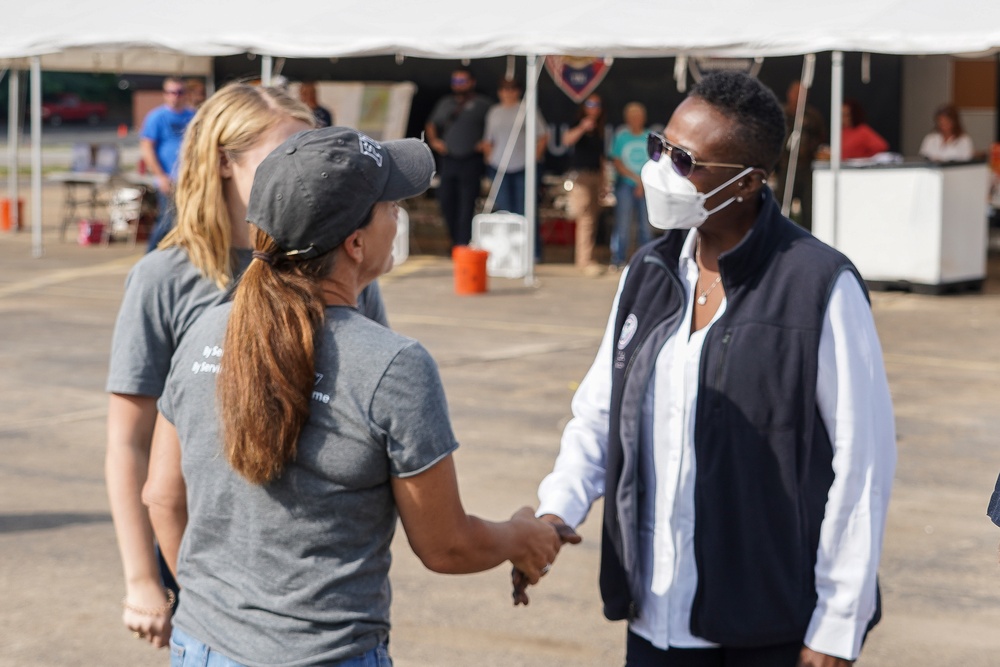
pixel 739 200
pixel 740 184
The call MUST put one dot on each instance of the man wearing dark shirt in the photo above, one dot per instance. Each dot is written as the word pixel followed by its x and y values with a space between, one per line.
pixel 454 131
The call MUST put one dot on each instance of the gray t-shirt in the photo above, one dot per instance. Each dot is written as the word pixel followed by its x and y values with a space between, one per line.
pixel 296 572
pixel 164 294
pixel 499 123
pixel 460 125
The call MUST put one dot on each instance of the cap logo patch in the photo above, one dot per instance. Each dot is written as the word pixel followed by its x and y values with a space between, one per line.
pixel 371 148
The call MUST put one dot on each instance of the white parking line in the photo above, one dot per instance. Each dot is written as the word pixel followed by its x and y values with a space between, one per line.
pixel 120 265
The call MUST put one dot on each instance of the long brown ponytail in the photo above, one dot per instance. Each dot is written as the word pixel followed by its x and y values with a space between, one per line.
pixel 268 370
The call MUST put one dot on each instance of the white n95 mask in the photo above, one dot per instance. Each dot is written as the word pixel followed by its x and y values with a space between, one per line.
pixel 673 202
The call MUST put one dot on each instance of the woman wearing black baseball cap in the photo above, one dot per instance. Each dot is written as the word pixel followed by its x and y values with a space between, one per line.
pixel 285 477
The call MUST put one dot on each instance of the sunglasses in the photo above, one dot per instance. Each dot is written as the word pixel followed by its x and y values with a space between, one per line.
pixel 590 104
pixel 681 158
pixel 173 91
pixel 459 80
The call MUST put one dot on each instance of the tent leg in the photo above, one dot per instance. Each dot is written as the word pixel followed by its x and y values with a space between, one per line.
pixel 795 140
pixel 530 165
pixel 13 135
pixel 266 68
pixel 36 156
pixel 836 125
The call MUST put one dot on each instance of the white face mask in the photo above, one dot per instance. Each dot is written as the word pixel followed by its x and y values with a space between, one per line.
pixel 673 202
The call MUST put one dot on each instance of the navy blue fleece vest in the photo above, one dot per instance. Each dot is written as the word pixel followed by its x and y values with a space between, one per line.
pixel 764 459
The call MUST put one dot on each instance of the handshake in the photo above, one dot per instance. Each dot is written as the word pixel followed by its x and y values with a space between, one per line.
pixel 526 571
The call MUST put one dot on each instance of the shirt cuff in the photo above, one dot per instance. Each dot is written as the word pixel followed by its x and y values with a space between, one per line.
pixel 840 636
pixel 566 507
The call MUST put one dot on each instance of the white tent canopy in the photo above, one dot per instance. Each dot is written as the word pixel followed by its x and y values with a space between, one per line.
pixel 106 35
pixel 458 29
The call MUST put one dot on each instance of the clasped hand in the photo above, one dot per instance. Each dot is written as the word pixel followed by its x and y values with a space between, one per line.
pixel 521 576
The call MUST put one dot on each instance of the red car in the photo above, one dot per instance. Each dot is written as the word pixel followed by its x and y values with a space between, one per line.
pixel 70 108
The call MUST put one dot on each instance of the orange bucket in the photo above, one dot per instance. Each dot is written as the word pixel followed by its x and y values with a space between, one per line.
pixel 6 220
pixel 470 269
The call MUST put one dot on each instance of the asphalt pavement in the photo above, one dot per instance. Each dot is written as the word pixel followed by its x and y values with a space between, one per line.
pixel 510 360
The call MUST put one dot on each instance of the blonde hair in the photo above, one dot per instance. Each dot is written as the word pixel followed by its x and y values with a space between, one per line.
pixel 230 122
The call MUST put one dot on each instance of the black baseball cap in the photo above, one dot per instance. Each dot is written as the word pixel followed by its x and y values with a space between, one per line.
pixel 317 188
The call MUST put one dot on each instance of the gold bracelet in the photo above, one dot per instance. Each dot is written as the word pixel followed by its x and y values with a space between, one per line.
pixel 158 611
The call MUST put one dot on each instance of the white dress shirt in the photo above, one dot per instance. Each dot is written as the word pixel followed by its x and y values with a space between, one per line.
pixel 934 147
pixel 854 404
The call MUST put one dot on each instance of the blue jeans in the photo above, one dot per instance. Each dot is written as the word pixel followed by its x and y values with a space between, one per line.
pixel 510 194
pixel 627 202
pixel 164 221
pixel 510 198
pixel 186 651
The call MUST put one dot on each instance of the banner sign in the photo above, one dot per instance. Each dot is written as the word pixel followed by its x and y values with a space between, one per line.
pixel 380 110
pixel 578 77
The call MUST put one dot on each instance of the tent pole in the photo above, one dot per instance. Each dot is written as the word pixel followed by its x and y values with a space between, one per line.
pixel 795 140
pixel 13 135
pixel 266 67
pixel 508 150
pixel 530 165
pixel 36 156
pixel 836 125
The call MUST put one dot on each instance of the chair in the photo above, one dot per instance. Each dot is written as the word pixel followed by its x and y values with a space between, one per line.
pixel 106 159
pixel 82 184
pixel 82 157
pixel 127 210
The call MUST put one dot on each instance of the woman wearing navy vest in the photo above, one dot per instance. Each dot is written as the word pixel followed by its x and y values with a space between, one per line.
pixel 737 418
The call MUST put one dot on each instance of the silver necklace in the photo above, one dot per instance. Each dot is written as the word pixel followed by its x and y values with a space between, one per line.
pixel 703 297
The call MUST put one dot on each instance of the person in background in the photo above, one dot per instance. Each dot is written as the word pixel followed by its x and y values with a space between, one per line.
pixel 307 93
pixel 813 136
pixel 288 505
pixel 737 418
pixel 166 291
pixel 858 139
pixel 499 123
pixel 195 91
pixel 159 145
pixel 948 142
pixel 628 153
pixel 586 162
pixel 455 132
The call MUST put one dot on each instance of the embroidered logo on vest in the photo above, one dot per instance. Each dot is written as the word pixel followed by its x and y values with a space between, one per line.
pixel 628 330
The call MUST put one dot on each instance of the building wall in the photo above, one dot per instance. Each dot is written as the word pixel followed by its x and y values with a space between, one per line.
pixel 930 81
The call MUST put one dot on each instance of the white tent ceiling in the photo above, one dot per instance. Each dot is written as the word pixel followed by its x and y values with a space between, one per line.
pixel 182 36
pixel 458 28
